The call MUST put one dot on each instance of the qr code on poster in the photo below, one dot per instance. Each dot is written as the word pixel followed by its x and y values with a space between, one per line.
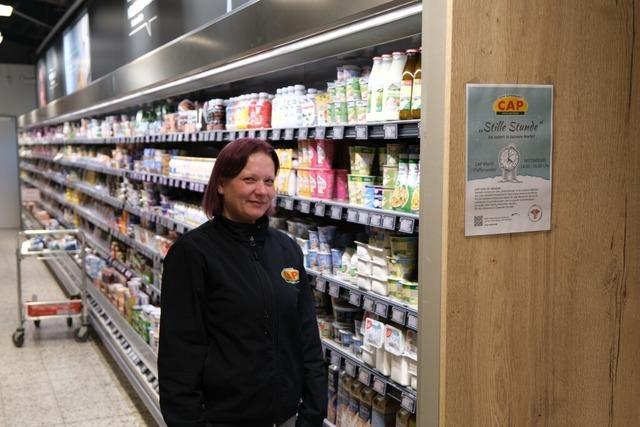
pixel 478 220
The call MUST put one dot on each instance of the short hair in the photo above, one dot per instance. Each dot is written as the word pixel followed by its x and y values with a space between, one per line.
pixel 229 163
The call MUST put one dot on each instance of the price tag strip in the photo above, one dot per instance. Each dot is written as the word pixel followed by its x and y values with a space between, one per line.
pixel 412 321
pixel 338 132
pixel 275 134
pixel 381 309
pixel 321 285
pixel 398 315
pixel 305 206
pixel 363 217
pixel 362 132
pixel 335 358
pixel 320 132
pixel 375 220
pixel 389 222
pixel 368 304
pixel 408 402
pixel 334 290
pixel 364 377
pixel 391 131
pixel 352 215
pixel 288 134
pixel 379 385
pixel 350 368
pixel 354 298
pixel 303 133
pixel 336 212
pixel 288 204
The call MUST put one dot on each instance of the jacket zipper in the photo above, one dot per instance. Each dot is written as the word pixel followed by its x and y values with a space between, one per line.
pixel 265 304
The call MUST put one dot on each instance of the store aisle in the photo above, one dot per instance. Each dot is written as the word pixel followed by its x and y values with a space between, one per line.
pixel 53 380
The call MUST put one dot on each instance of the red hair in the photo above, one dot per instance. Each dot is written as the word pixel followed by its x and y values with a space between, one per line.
pixel 229 163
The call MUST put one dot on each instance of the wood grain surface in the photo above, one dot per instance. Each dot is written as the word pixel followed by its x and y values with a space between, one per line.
pixel 543 329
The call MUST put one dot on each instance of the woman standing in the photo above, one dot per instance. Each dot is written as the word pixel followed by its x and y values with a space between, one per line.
pixel 239 343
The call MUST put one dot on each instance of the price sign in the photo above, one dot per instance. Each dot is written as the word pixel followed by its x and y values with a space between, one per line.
pixel 367 304
pixel 354 298
pixel 232 136
pixel 241 134
pixel 375 220
pixel 335 359
pixel 364 377
pixel 288 134
pixel 320 132
pixel 398 315
pixel 412 321
pixel 183 185
pixel 305 206
pixel 303 133
pixel 381 309
pixel 391 131
pixel 171 182
pixel 275 134
pixel 350 368
pixel 288 204
pixel 352 215
pixel 379 385
pixel 408 402
pixel 338 132
pixel 128 274
pixel 264 134
pixel 407 225
pixel 362 132
pixel 363 217
pixel 321 285
pixel 389 222
pixel 334 290
pixel 336 212
pixel 220 136
pixel 319 209
pixel 252 134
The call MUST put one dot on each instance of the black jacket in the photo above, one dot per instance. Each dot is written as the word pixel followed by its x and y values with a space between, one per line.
pixel 239 343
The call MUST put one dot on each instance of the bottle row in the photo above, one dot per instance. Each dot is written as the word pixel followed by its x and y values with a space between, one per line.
pixel 387 90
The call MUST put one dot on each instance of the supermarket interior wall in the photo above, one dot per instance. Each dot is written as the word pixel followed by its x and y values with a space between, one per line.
pixel 17 96
pixel 542 328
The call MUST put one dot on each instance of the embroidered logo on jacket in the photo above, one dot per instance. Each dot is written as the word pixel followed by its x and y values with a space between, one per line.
pixel 290 275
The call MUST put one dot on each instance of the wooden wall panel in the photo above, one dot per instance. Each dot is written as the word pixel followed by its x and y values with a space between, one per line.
pixel 544 328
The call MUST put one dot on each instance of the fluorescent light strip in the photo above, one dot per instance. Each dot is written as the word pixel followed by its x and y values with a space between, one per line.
pixel 5 10
pixel 295 46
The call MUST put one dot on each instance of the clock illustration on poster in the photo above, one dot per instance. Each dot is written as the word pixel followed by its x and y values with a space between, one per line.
pixel 508 159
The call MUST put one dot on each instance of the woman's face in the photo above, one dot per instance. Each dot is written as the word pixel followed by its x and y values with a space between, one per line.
pixel 248 196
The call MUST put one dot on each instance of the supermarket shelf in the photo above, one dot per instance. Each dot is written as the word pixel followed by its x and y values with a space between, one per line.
pixel 391 220
pixel 171 181
pixel 142 349
pixel 355 367
pixel 388 308
pixel 127 356
pixel 96 194
pixel 166 221
pixel 380 130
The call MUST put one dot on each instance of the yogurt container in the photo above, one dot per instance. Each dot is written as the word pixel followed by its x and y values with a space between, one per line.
pixel 324 149
pixel 341 184
pixel 324 262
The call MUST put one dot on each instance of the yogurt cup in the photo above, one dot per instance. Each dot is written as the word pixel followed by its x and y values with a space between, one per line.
pixel 324 262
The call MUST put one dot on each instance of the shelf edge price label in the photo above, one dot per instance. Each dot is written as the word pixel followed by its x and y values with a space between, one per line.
pixel 390 131
pixel 252 134
pixel 375 220
pixel 335 358
pixel 303 133
pixel 367 304
pixel 362 132
pixel 398 315
pixel 338 132
pixel 275 134
pixel 288 204
pixel 412 321
pixel 334 290
pixel 288 134
pixel 241 134
pixel 320 132
pixel 319 209
pixel 407 225
pixel 381 309
pixel 232 136
pixel 408 402
pixel 220 136
pixel 389 222
pixel 364 377
pixel 350 368
pixel 336 212
pixel 352 215
pixel 305 206
pixel 354 298
pixel 264 134
pixel 363 217
pixel 379 385
pixel 321 285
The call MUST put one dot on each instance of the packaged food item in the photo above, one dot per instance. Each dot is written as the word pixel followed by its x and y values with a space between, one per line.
pixel 354 403
pixel 332 390
pixel 324 153
pixel 377 81
pixel 412 184
pixel 357 185
pixel 341 184
pixel 361 159
pixel 401 192
pixel 402 267
pixel 325 183
pixel 384 411
pixel 393 81
pixel 344 392
pixel 364 412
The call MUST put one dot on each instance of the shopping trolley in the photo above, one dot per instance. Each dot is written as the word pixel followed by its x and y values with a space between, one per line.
pixel 74 306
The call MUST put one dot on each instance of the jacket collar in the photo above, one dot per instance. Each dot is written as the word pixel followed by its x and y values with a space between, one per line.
pixel 243 231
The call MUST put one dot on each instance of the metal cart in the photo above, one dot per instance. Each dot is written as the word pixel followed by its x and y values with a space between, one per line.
pixel 35 310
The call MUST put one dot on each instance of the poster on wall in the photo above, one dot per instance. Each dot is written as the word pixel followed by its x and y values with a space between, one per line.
pixel 77 56
pixel 41 79
pixel 509 146
pixel 55 76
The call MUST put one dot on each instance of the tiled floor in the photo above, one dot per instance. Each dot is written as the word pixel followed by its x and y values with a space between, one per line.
pixel 52 380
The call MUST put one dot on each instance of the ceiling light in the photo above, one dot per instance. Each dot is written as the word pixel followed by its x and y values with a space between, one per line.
pixel 5 10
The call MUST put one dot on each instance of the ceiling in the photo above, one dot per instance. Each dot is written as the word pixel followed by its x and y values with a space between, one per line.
pixel 27 27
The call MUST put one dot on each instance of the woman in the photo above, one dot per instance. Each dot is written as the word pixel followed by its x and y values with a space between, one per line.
pixel 239 343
